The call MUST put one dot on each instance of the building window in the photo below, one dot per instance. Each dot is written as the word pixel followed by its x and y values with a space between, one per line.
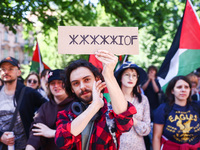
pixel 26 41
pixel 16 53
pixel 16 38
pixel 6 36
pixel 26 60
pixel 5 53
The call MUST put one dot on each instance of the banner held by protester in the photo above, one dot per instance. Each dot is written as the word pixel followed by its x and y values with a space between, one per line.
pixel 87 40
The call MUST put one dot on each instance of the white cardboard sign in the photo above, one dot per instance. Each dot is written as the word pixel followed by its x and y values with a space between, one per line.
pixel 87 40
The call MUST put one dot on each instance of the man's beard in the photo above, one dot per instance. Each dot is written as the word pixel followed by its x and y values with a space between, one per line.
pixel 84 100
pixel 9 81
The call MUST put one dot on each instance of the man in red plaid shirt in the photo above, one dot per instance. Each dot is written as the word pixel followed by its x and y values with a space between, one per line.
pixel 95 127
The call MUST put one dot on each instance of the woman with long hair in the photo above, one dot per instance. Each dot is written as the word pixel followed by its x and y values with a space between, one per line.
pixel 32 80
pixel 129 77
pixel 177 122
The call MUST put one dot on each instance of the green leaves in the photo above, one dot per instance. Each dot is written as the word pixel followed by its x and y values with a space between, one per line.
pixel 157 20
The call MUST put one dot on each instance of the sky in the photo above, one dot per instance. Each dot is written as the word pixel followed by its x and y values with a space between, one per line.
pixel 92 1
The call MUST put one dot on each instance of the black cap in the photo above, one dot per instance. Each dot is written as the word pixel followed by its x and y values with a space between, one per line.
pixel 142 74
pixel 55 75
pixel 11 60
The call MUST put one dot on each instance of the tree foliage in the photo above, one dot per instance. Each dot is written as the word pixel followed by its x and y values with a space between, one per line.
pixel 49 12
pixel 41 19
pixel 157 20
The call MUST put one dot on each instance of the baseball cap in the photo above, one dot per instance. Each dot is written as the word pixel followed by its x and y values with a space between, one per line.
pixel 11 60
pixel 55 75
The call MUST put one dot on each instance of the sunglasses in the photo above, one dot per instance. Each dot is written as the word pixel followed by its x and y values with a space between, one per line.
pixel 33 81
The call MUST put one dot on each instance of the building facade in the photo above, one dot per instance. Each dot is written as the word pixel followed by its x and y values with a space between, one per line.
pixel 13 44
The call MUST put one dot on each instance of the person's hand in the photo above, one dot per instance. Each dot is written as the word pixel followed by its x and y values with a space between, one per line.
pixel 135 121
pixel 109 61
pixel 151 76
pixel 43 130
pixel 194 91
pixel 7 139
pixel 96 93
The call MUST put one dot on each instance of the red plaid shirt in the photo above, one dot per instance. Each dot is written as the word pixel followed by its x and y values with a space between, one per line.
pixel 101 138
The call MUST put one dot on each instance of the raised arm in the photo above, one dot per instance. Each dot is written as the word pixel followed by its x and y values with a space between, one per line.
pixel 145 85
pixel 155 86
pixel 109 61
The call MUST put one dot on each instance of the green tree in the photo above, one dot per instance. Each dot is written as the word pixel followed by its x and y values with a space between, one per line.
pixel 157 20
pixel 49 12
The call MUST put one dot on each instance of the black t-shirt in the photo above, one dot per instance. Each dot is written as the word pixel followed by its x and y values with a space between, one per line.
pixel 152 95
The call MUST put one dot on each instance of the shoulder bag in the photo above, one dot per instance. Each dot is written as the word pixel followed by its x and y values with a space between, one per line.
pixel 3 146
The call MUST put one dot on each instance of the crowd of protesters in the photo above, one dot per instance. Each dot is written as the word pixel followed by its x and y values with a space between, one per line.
pixel 66 109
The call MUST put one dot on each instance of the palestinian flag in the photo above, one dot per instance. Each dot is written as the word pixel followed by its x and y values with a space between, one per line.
pixel 37 64
pixel 95 62
pixel 121 60
pixel 98 64
pixel 184 55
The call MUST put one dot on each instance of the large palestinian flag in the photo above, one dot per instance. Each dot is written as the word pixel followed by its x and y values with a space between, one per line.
pixel 37 64
pixel 184 55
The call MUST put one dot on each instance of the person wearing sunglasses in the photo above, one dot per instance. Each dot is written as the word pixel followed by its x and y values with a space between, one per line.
pixel 44 126
pixel 32 80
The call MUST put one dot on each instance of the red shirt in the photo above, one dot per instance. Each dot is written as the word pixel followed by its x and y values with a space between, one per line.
pixel 101 138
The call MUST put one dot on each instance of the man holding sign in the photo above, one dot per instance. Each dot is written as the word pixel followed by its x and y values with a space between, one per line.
pixel 90 123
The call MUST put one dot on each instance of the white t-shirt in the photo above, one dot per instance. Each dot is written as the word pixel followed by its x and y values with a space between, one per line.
pixel 7 109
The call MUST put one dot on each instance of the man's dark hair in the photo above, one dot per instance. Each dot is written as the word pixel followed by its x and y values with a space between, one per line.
pixel 44 72
pixel 152 68
pixel 74 65
pixel 170 87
